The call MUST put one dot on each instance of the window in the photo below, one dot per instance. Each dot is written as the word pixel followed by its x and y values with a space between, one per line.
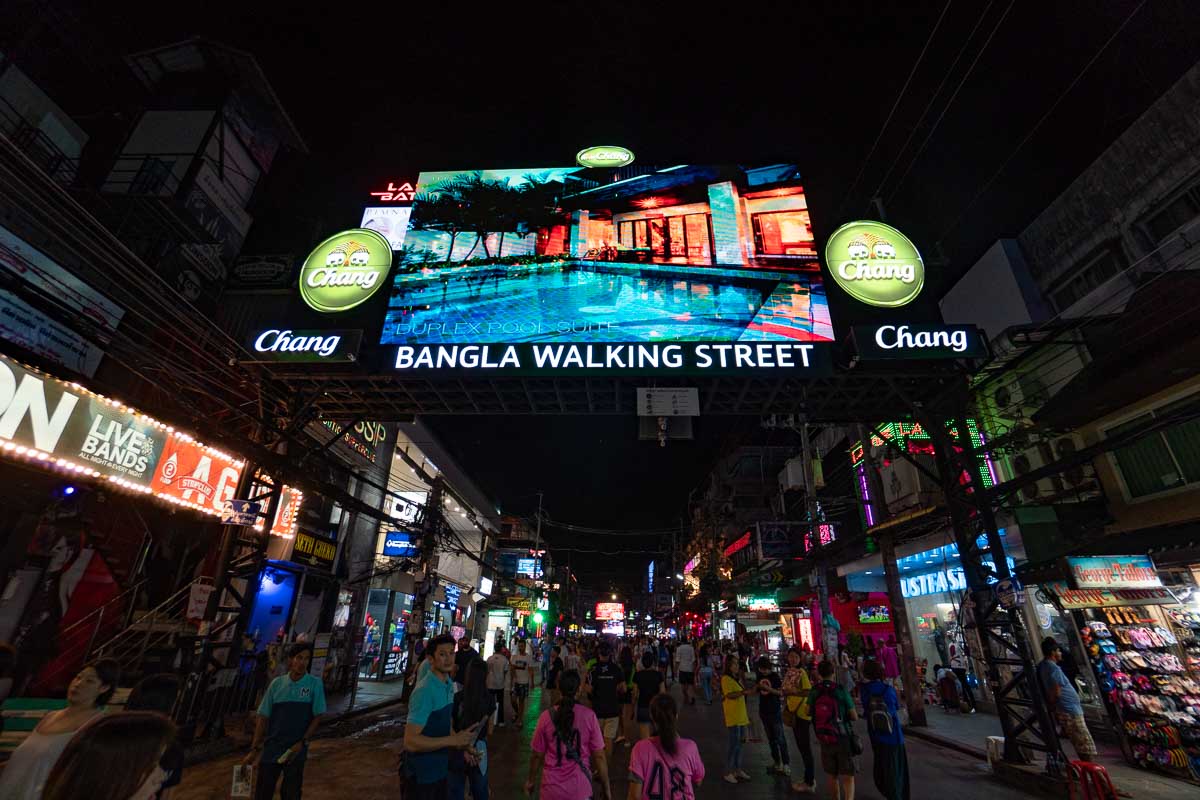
pixel 1164 460
pixel 1177 213
pixel 1086 280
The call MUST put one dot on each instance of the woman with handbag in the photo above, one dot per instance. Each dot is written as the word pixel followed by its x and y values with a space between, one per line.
pixel 797 715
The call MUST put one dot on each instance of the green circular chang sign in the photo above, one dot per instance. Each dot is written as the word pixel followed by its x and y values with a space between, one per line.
pixel 604 156
pixel 345 270
pixel 875 264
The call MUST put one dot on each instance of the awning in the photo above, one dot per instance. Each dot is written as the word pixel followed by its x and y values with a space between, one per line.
pixel 752 623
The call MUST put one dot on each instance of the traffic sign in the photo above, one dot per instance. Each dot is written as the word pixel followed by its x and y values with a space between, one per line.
pixel 240 512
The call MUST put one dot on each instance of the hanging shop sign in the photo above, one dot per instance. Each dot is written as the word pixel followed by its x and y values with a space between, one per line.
pixel 240 512
pixel 288 513
pixel 399 544
pixel 305 346
pixel 453 592
pixel 70 429
pixel 1113 572
pixel 604 156
pixel 918 341
pixel 751 602
pixel 1110 598
pixel 875 264
pixel 522 603
pixel 313 551
pixel 345 270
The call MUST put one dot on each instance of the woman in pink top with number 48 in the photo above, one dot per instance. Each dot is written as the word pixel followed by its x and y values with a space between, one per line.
pixel 664 765
pixel 566 742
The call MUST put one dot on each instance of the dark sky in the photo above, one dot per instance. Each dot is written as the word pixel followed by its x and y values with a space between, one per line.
pixel 444 86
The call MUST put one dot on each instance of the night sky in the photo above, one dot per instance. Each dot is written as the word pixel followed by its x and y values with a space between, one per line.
pixel 379 96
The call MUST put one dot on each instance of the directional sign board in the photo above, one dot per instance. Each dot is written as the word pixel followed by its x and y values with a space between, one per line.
pixel 240 512
pixel 668 402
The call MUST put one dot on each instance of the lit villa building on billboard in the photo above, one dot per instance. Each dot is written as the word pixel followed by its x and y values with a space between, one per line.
pixel 689 253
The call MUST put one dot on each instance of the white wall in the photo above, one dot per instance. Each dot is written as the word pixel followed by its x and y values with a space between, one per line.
pixel 996 293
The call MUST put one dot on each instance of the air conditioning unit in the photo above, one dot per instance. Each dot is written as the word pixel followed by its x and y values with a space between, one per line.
pixel 905 487
pixel 791 477
pixel 1053 487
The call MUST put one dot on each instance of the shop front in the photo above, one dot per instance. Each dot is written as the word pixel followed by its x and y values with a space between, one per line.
pixel 385 623
pixel 1140 640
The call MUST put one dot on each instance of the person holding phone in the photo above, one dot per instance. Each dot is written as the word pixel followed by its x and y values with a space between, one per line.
pixel 428 739
pixel 288 716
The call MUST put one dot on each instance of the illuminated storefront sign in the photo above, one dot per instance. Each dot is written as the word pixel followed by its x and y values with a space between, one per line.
pixel 402 192
pixel 919 341
pixel 604 156
pixel 313 551
pixel 527 566
pixel 755 603
pixel 74 431
pixel 1113 572
pixel 363 439
pixel 1111 598
pixel 952 579
pixel 615 611
pixel 875 264
pixel 398 543
pixel 295 346
pixel 345 270
pixel 690 270
pixel 650 577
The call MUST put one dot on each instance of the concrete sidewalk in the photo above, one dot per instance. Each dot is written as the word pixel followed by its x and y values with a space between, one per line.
pixel 968 734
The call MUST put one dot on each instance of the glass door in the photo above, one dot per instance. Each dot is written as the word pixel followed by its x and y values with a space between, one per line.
pixel 699 245
pixel 783 233
pixel 676 242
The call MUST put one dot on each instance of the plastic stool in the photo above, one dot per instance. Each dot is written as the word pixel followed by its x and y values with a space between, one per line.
pixel 1093 781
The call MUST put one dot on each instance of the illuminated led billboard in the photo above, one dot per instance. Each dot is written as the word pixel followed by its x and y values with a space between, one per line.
pixel 687 269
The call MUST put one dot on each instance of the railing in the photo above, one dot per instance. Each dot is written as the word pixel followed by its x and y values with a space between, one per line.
pixel 153 629
pixel 37 146
pixel 81 635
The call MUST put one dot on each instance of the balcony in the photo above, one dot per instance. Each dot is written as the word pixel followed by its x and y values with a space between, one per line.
pixel 37 146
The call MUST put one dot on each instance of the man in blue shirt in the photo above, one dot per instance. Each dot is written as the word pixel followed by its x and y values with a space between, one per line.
pixel 288 716
pixel 428 737
pixel 1064 700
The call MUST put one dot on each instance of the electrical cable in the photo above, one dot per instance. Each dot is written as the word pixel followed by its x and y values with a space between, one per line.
pixel 950 102
pixel 1037 125
pixel 900 96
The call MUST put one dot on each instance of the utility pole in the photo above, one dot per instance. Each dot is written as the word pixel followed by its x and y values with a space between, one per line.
pixel 887 552
pixel 426 577
pixel 537 545
pixel 829 637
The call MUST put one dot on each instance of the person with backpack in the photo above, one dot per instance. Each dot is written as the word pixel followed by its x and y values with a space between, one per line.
pixel 796 688
pixel 566 743
pixel 832 713
pixel 887 741
pixel 474 705
pixel 736 718
pixel 666 765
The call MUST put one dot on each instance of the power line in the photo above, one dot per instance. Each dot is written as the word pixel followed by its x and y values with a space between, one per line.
pixel 900 96
pixel 962 82
pixel 1037 125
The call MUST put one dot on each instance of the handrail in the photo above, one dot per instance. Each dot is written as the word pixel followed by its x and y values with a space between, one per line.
pixel 100 610
pixel 152 614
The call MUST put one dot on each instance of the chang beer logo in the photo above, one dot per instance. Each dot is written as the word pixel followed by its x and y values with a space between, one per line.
pixel 345 270
pixel 604 156
pixel 875 264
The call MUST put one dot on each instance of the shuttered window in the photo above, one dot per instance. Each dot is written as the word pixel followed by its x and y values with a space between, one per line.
pixel 1163 460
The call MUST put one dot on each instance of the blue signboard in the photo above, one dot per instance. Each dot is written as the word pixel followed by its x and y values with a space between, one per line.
pixel 398 543
pixel 452 594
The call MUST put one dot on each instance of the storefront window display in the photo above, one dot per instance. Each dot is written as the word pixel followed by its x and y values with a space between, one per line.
pixel 384 650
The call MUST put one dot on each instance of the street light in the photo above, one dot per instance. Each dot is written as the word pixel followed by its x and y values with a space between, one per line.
pixel 614 597
pixel 677 575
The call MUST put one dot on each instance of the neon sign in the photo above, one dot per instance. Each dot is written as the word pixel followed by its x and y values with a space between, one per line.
pixel 404 193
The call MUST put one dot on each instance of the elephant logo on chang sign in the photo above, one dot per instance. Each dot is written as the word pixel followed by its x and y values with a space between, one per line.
pixel 875 264
pixel 345 270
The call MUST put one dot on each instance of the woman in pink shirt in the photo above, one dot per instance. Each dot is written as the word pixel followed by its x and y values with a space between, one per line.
pixel 664 765
pixel 566 742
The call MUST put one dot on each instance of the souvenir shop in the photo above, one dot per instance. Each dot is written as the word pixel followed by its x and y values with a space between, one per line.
pixel 1141 639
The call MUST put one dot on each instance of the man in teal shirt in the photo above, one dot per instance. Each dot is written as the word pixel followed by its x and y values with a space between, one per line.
pixel 428 736
pixel 288 716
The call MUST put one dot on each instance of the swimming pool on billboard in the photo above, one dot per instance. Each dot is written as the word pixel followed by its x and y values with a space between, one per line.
pixel 570 303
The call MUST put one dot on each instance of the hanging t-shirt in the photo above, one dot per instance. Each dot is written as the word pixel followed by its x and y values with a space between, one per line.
pixel 663 774
pixel 565 777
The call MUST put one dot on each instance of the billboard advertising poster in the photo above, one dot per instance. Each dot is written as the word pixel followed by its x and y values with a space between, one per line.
pixel 610 611
pixel 689 269
pixel 390 221
pixel 25 326
pixel 191 474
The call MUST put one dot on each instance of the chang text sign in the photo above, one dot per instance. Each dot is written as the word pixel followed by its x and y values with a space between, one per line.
pixel 305 346
pixel 782 359
pixel 875 264
pixel 894 341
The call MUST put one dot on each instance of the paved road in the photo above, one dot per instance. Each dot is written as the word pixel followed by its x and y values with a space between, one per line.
pixel 362 765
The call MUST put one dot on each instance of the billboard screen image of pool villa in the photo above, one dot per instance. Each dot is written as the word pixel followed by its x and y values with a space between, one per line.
pixel 615 264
